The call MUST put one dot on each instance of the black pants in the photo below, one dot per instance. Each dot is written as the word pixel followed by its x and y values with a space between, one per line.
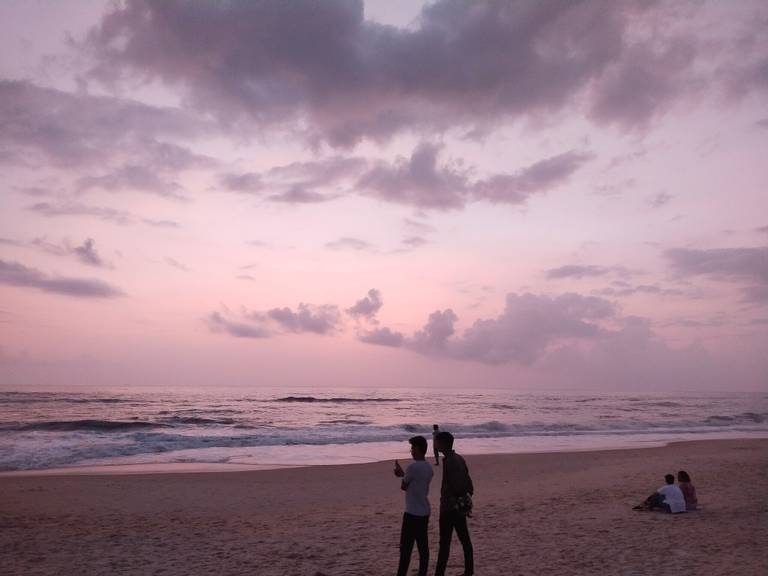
pixel 414 530
pixel 448 521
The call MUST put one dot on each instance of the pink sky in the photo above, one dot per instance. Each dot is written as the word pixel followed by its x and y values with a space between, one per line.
pixel 521 194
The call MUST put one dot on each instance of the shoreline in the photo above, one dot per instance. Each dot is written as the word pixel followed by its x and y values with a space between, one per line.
pixel 150 469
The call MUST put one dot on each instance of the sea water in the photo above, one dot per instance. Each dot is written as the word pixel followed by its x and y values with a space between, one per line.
pixel 282 427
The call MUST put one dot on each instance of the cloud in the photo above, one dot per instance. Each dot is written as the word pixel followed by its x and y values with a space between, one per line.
pixel 539 177
pixel 323 68
pixel 173 263
pixel 528 327
pixel 87 253
pixel 306 318
pixel 298 182
pixel 743 265
pixel 348 243
pixel 661 199
pixel 721 263
pixel 133 178
pixel 368 306
pixel 620 288
pixel 414 241
pixel 324 320
pixel 15 274
pixel 218 323
pixel 419 181
pixel 382 337
pixel 53 210
pixel 577 271
pixel 47 126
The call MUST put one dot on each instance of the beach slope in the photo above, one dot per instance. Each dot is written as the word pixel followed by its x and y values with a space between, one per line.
pixel 557 513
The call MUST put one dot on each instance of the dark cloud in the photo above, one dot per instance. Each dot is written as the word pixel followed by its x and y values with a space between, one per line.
pixel 324 320
pixel 52 210
pixel 307 318
pixel 324 67
pixel 748 266
pixel 619 289
pixel 539 177
pixel 763 229
pixel 42 126
pixel 15 274
pixel 382 337
pixel 87 254
pixel 721 263
pixel 368 306
pixel 577 271
pixel 218 323
pixel 349 244
pixel 133 178
pixel 298 182
pixel 419 181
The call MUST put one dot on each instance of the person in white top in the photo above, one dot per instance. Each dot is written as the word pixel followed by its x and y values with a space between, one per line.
pixel 415 483
pixel 669 497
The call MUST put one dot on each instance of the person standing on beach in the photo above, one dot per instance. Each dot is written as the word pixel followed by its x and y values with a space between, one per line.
pixel 455 493
pixel 416 479
pixel 435 432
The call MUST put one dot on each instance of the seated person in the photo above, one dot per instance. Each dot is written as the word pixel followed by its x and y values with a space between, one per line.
pixel 669 497
pixel 689 492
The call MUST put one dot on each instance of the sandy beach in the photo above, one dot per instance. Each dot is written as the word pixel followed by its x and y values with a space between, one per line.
pixel 556 513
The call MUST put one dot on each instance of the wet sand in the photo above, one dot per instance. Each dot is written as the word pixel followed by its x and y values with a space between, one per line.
pixel 554 514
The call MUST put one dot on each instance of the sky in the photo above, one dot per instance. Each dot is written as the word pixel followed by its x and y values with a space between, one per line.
pixel 530 195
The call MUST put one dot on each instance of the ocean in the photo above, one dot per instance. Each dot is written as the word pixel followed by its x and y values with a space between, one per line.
pixel 278 427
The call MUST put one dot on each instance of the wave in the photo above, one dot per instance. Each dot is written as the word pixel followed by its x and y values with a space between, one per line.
pixel 309 399
pixel 748 417
pixel 86 425
pixel 354 422
pixel 197 420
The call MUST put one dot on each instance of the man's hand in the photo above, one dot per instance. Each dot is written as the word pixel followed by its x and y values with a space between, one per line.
pixel 398 470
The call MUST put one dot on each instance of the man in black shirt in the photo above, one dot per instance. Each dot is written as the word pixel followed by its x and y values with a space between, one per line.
pixel 456 484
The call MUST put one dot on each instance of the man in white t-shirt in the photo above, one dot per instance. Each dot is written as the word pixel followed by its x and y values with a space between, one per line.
pixel 415 482
pixel 674 501
pixel 669 497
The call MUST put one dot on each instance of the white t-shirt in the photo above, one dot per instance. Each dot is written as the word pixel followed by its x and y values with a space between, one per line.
pixel 674 497
pixel 417 478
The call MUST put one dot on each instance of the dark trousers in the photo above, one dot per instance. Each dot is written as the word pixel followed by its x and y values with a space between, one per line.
pixel 449 521
pixel 414 530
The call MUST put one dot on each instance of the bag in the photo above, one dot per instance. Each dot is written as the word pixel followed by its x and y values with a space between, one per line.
pixel 463 505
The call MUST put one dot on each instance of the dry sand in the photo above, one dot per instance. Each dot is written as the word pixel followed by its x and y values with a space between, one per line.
pixel 553 514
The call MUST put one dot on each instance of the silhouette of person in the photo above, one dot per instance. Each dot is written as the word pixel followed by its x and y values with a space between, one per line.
pixel 435 431
pixel 456 486
pixel 416 479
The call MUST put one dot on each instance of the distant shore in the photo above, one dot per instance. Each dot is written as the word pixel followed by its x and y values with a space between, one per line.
pixel 549 513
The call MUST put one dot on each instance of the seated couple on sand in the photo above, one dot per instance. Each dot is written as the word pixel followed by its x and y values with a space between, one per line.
pixel 674 498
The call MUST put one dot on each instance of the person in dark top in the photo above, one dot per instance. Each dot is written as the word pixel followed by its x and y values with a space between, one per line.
pixel 435 432
pixel 456 486
pixel 689 492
